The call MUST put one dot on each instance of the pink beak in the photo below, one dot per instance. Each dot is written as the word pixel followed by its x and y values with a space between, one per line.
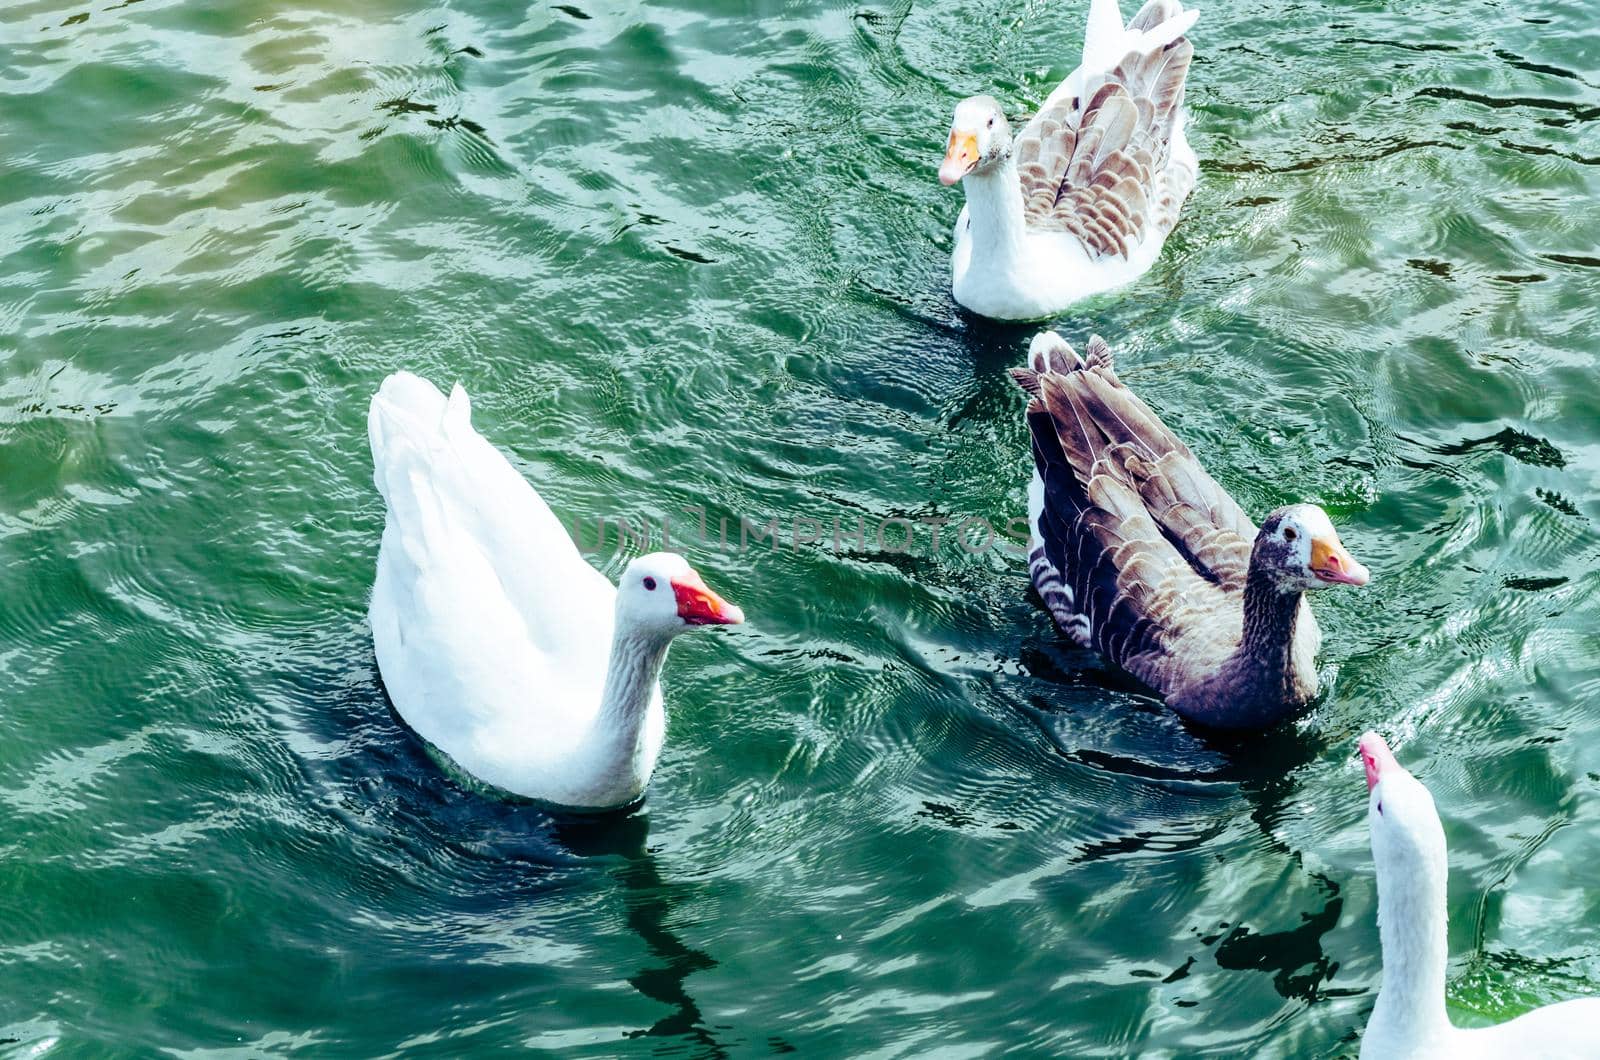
pixel 699 606
pixel 1377 757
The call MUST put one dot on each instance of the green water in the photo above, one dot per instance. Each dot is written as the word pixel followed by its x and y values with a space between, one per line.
pixel 694 254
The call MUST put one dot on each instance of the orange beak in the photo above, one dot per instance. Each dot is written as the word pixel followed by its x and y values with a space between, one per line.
pixel 960 156
pixel 1331 563
pixel 699 606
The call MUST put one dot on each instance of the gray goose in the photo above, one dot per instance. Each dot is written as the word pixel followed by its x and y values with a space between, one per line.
pixel 1139 554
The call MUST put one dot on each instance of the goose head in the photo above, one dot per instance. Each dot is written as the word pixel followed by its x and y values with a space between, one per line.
pixel 980 137
pixel 662 594
pixel 1408 845
pixel 1298 549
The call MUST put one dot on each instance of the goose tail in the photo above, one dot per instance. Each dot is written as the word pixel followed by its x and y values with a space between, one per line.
pixel 1158 24
pixel 1107 41
pixel 408 417
pixel 1103 36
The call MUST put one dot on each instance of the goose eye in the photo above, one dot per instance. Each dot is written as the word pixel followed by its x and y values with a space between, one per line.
pixel 1289 534
pixel 991 123
pixel 650 583
pixel 1380 808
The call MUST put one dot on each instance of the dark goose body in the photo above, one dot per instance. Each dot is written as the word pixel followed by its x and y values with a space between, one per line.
pixel 1140 555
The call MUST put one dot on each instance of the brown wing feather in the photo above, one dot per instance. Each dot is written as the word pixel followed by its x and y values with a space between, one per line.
pixel 1192 509
pixel 1099 166
pixel 1132 581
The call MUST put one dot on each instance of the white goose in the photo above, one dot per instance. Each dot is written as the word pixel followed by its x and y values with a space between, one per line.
pixel 498 643
pixel 1409 1020
pixel 1082 201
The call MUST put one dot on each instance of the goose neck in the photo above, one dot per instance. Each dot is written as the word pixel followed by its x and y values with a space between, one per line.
pixel 635 665
pixel 1271 615
pixel 1413 931
pixel 611 764
pixel 994 211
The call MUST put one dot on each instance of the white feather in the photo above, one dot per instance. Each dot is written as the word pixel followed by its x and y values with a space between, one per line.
pixel 492 632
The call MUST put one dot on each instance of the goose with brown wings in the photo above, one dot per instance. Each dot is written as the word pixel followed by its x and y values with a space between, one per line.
pixel 1140 555
pixel 1082 198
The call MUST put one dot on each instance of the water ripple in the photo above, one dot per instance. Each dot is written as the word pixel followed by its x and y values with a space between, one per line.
pixel 689 259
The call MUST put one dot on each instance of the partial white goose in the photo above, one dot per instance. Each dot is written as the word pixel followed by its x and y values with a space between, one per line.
pixel 1083 199
pixel 1409 1020
pixel 498 643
